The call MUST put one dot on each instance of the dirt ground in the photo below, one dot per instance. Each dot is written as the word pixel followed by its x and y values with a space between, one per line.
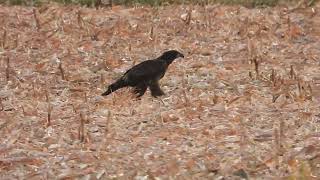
pixel 244 103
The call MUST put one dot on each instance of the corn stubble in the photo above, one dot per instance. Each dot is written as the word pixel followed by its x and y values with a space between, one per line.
pixel 243 103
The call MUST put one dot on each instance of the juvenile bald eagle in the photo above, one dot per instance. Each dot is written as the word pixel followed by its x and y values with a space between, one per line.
pixel 146 75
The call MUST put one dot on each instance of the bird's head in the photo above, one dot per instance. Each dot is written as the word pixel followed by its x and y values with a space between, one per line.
pixel 171 55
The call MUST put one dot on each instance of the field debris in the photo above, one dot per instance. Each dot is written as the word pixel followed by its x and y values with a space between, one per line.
pixel 243 103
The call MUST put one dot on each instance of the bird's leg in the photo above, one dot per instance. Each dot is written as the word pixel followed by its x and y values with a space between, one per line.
pixel 140 89
pixel 155 89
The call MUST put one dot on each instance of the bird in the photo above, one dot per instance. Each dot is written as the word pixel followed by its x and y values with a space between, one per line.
pixel 145 75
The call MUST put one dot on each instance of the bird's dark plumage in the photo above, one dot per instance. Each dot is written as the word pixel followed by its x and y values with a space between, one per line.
pixel 146 75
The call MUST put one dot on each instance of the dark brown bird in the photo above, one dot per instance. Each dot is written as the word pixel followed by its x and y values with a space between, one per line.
pixel 146 75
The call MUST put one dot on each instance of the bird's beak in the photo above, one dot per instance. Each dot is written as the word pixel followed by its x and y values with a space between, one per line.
pixel 181 55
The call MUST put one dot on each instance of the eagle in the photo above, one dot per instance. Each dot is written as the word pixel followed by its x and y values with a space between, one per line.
pixel 145 75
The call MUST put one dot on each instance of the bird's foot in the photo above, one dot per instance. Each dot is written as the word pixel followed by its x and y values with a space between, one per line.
pixel 157 93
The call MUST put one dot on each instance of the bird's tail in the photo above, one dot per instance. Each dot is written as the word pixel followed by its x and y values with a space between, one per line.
pixel 115 86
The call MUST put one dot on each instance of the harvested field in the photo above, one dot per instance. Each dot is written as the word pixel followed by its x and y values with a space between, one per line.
pixel 243 103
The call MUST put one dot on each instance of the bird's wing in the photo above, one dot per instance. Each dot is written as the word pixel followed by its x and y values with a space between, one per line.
pixel 144 71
